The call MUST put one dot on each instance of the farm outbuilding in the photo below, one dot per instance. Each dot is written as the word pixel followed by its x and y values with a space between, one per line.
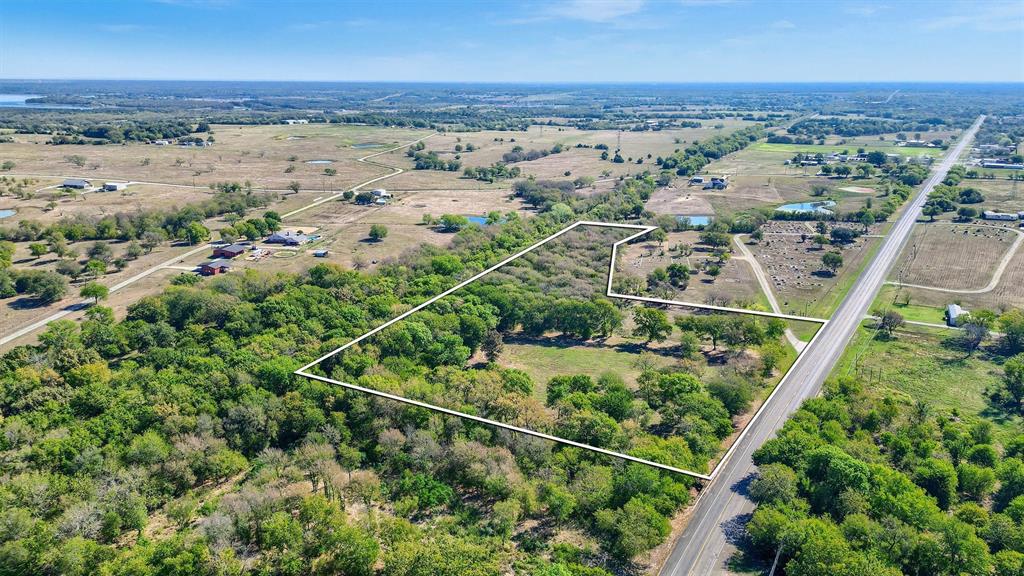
pixel 76 183
pixel 993 215
pixel 114 186
pixel 953 312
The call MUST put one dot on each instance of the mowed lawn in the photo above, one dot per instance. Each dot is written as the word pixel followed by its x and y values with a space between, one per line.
pixel 544 361
pixel 890 298
pixel 918 366
pixel 794 149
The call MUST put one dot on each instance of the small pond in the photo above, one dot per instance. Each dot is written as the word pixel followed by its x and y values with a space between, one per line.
pixel 363 145
pixel 319 161
pixel 823 207
pixel 694 220
pixel 481 220
pixel 7 213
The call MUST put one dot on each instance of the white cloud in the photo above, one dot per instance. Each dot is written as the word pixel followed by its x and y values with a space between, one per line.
pixel 596 10
pixel 998 17
pixel 783 25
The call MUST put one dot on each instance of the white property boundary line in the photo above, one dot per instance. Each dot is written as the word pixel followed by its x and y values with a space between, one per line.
pixel 642 230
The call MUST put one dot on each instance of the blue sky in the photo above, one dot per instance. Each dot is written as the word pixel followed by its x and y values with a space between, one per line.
pixel 491 41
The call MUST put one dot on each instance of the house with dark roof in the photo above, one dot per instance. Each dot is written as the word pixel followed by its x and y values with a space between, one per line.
pixel 231 251
pixel 214 267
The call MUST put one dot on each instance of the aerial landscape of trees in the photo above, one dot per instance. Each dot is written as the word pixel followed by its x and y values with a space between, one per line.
pixel 186 414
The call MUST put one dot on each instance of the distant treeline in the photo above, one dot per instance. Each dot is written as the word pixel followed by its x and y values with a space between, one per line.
pixel 861 126
pixel 700 154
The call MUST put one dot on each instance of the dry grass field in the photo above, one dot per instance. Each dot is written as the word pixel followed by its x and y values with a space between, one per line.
pixel 736 285
pixel 1008 293
pixel 952 256
pixel 135 198
pixel 1001 195
pixel 491 145
pixel 964 260
pixel 260 154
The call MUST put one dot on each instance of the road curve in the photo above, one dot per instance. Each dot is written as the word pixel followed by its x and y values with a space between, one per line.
pixel 996 276
pixel 722 507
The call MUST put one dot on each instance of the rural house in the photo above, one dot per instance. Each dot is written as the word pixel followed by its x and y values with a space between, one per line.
pixel 231 251
pixel 288 238
pixel 214 267
pixel 717 183
pixel 114 186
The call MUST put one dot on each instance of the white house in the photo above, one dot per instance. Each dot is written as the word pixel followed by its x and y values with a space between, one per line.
pixel 381 193
pixel 993 215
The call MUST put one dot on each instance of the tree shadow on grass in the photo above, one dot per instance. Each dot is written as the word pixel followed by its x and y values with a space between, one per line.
pixel 564 342
pixel 26 303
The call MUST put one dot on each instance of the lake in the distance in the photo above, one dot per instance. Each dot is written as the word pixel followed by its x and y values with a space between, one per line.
pixel 21 101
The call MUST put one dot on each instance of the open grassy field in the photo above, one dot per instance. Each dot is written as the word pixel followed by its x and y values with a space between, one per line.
pixel 1002 195
pixel 893 298
pixel 954 256
pixel 135 198
pixel 491 145
pixel 260 154
pixel 919 365
pixel 887 147
pixel 545 358
pixel 736 285
pixel 18 311
pixel 345 225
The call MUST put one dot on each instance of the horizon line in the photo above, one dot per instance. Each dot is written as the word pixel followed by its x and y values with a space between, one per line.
pixel 521 82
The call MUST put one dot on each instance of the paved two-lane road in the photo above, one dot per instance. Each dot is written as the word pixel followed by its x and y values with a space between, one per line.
pixel 706 543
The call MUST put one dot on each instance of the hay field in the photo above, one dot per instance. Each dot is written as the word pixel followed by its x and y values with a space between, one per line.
pixel 260 154
pixel 952 256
